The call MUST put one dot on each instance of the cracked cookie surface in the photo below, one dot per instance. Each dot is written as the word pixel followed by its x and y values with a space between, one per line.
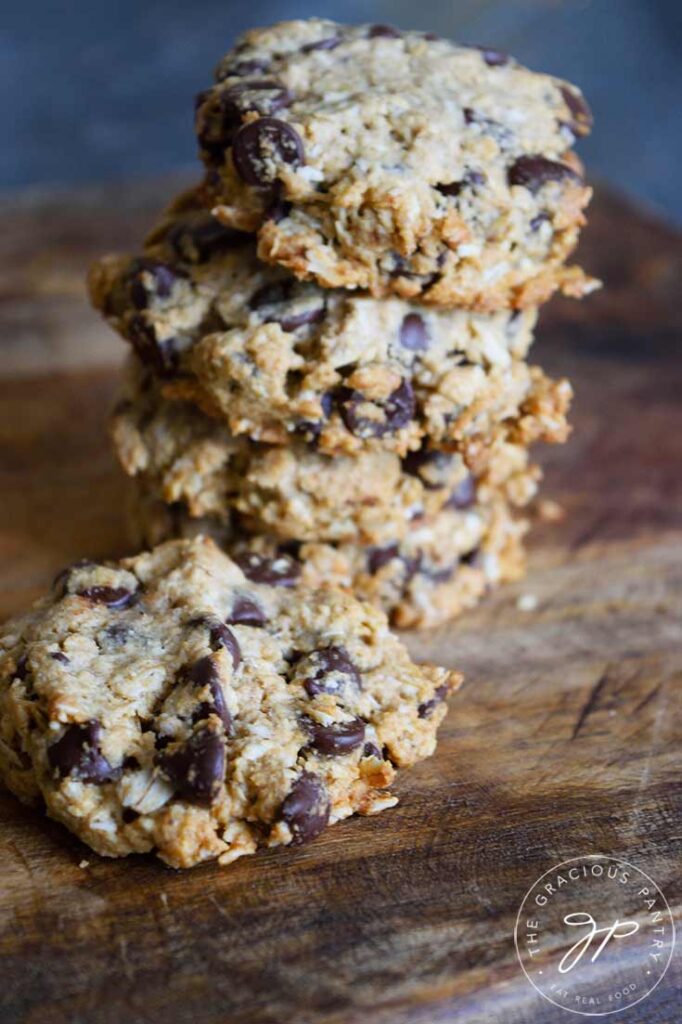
pixel 398 162
pixel 171 702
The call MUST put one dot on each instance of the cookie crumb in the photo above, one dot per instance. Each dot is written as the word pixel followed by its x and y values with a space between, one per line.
pixel 550 511
pixel 84 864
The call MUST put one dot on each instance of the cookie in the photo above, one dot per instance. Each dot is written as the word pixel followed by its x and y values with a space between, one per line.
pixel 294 491
pixel 278 359
pixel 170 702
pixel 397 162
pixel 441 568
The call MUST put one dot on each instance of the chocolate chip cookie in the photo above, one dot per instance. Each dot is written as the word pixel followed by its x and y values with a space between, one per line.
pixel 182 703
pixel 294 491
pixel 444 565
pixel 398 162
pixel 279 359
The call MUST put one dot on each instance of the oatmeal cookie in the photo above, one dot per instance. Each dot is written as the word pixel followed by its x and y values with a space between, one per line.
pixel 398 162
pixel 278 359
pixel 294 491
pixel 173 702
pixel 442 567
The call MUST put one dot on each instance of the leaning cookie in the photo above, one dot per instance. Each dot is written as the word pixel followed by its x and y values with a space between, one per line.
pixel 277 359
pixel 171 703
pixel 294 491
pixel 444 566
pixel 398 162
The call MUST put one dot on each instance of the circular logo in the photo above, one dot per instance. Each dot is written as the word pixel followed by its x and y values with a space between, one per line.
pixel 594 935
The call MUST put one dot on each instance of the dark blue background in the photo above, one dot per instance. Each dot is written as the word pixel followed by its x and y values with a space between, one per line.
pixel 102 89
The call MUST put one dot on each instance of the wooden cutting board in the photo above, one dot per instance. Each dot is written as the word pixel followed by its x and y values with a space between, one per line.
pixel 562 743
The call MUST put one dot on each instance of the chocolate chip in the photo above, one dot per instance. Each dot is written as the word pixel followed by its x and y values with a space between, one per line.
pixel 221 636
pixel 246 612
pixel 371 750
pixel 582 119
pixel 203 237
pixel 77 753
pixel 377 558
pixel 113 597
pixel 493 58
pixel 278 210
pixel 263 143
pixel 241 68
pixel 330 43
pixel 464 494
pixel 197 768
pixel 539 220
pixel 149 278
pixel 473 558
pixel 428 466
pixel 427 708
pixel 204 673
pixel 532 172
pixel 284 293
pixel 470 180
pixel 384 32
pixel 336 739
pixel 413 333
pixel 61 579
pixel 397 411
pixel 21 670
pixel 60 657
pixel 306 808
pixel 280 571
pixel 160 356
pixel 329 670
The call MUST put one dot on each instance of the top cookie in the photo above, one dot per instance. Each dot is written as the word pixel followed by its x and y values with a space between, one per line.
pixel 398 162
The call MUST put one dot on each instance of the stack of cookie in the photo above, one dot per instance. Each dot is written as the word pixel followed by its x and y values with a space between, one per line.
pixel 330 333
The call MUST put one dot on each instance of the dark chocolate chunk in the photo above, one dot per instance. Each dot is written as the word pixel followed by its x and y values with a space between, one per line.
pixel 197 768
pixel 263 142
pixel 377 558
pixel 306 808
pixel 203 237
pixel 78 753
pixel 428 466
pixel 384 32
pixel 532 172
pixel 241 68
pixel 581 119
pixel 470 180
pixel 280 571
pixel 396 412
pixel 112 597
pixel 149 278
pixel 246 612
pixel 330 43
pixel 413 333
pixel 372 750
pixel 221 636
pixel 160 356
pixel 427 708
pixel 493 58
pixel 204 673
pixel 329 670
pixel 60 657
pixel 336 739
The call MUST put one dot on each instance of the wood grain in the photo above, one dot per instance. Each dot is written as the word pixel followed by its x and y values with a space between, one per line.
pixel 564 740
